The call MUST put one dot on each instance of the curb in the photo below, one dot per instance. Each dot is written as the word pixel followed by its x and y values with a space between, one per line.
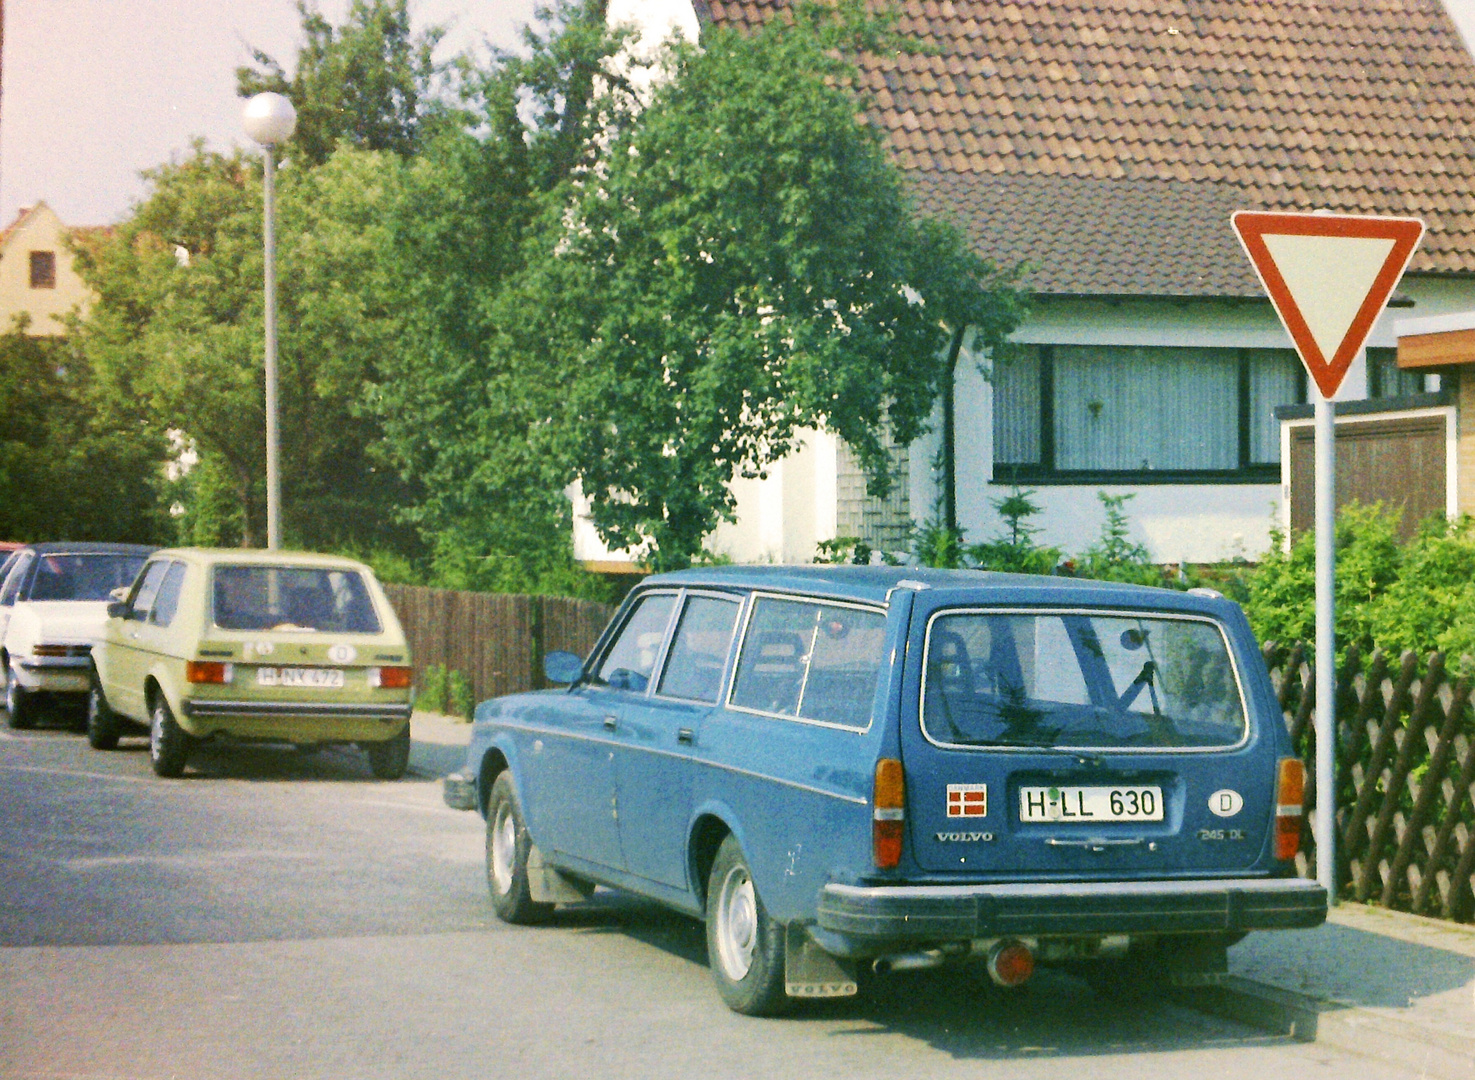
pixel 1347 1027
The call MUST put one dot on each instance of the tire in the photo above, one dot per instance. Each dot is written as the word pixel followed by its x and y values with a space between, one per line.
pixel 390 758
pixel 20 705
pixel 169 744
pixel 508 845
pixel 103 727
pixel 745 947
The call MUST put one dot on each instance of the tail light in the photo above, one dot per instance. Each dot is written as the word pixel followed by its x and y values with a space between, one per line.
pixel 391 678
pixel 1290 793
pixel 888 819
pixel 208 671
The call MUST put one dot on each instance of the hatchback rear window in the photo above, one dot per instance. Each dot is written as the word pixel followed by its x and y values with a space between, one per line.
pixel 293 598
pixel 1081 680
pixel 82 576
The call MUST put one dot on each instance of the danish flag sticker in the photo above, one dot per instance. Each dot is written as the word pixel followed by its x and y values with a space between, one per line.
pixel 967 800
pixel 1329 277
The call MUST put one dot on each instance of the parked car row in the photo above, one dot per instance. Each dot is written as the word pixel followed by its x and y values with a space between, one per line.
pixel 191 644
pixel 852 768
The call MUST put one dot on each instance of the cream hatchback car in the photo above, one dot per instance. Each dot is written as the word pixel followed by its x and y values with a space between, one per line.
pixel 261 646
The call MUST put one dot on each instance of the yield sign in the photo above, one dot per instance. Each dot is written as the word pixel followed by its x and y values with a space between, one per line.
pixel 1329 277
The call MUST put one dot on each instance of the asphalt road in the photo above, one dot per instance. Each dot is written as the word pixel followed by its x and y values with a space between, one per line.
pixel 275 915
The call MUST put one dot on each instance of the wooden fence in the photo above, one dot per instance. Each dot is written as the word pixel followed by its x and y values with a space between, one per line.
pixel 1405 778
pixel 496 640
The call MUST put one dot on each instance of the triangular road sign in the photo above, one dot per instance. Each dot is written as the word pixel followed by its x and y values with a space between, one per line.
pixel 1329 277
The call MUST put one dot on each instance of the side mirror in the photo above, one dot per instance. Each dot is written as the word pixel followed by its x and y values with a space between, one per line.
pixel 117 609
pixel 121 592
pixel 563 667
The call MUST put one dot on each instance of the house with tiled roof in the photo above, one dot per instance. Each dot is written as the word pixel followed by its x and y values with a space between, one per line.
pixel 36 274
pixel 1104 144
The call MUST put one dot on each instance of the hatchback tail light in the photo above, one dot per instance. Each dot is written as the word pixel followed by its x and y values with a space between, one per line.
pixel 391 678
pixel 208 671
pixel 1290 793
pixel 888 822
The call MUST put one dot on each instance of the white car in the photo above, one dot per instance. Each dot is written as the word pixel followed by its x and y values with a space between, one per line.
pixel 53 607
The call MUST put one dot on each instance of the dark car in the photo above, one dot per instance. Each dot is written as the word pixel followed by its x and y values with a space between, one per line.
pixel 897 768
pixel 53 606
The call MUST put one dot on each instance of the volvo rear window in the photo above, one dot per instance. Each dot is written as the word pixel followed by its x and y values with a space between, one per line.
pixel 292 598
pixel 1081 680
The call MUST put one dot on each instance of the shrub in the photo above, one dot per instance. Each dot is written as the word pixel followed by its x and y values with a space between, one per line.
pixel 462 701
pixel 432 693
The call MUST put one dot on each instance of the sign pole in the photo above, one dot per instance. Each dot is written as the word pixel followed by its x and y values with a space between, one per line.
pixel 1326 647
pixel 1329 276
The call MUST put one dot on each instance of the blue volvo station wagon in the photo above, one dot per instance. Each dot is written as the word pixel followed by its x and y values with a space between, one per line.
pixel 844 769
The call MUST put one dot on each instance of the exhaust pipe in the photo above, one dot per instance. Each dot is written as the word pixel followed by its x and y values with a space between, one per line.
pixel 912 961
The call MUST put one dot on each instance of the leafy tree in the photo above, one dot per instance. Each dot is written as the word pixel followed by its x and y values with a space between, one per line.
pixel 453 416
pixel 73 465
pixel 177 326
pixel 370 82
pixel 743 263
pixel 1115 556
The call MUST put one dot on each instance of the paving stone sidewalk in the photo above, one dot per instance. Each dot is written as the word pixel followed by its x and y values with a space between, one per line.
pixel 1381 983
pixel 437 744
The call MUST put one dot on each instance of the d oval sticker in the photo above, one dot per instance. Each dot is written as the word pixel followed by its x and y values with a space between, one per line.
pixel 1226 803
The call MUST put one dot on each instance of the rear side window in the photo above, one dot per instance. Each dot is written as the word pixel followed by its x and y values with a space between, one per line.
pixel 810 660
pixel 296 598
pixel 632 658
pixel 1080 679
pixel 698 656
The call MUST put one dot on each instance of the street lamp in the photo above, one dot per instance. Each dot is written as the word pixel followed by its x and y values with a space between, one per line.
pixel 270 120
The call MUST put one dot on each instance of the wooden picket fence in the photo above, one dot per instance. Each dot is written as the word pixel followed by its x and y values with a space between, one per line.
pixel 496 640
pixel 1405 777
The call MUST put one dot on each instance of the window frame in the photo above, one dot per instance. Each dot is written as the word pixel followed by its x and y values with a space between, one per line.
pixel 592 678
pixel 728 662
pixel 1089 612
pixel 726 701
pixel 43 258
pixel 1045 472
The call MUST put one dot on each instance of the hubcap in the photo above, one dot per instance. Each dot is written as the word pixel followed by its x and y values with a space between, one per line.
pixel 737 923
pixel 504 848
pixel 156 736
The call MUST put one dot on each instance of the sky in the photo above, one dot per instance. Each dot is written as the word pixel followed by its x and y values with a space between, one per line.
pixel 97 90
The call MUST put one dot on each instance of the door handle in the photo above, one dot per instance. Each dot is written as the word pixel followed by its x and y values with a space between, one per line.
pixel 610 723
pixel 685 736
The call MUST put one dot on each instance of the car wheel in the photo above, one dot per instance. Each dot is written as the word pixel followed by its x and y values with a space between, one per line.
pixel 390 758
pixel 20 706
pixel 508 845
pixel 745 947
pixel 169 744
pixel 102 722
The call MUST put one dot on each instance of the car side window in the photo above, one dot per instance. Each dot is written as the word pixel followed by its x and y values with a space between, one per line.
pixel 698 654
pixel 141 603
pixel 11 588
pixel 166 601
pixel 775 659
pixel 632 658
pixel 811 660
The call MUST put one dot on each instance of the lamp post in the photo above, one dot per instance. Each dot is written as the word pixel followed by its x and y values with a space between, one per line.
pixel 270 120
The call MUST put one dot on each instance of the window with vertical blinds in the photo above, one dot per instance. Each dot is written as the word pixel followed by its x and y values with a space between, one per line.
pixel 1140 413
